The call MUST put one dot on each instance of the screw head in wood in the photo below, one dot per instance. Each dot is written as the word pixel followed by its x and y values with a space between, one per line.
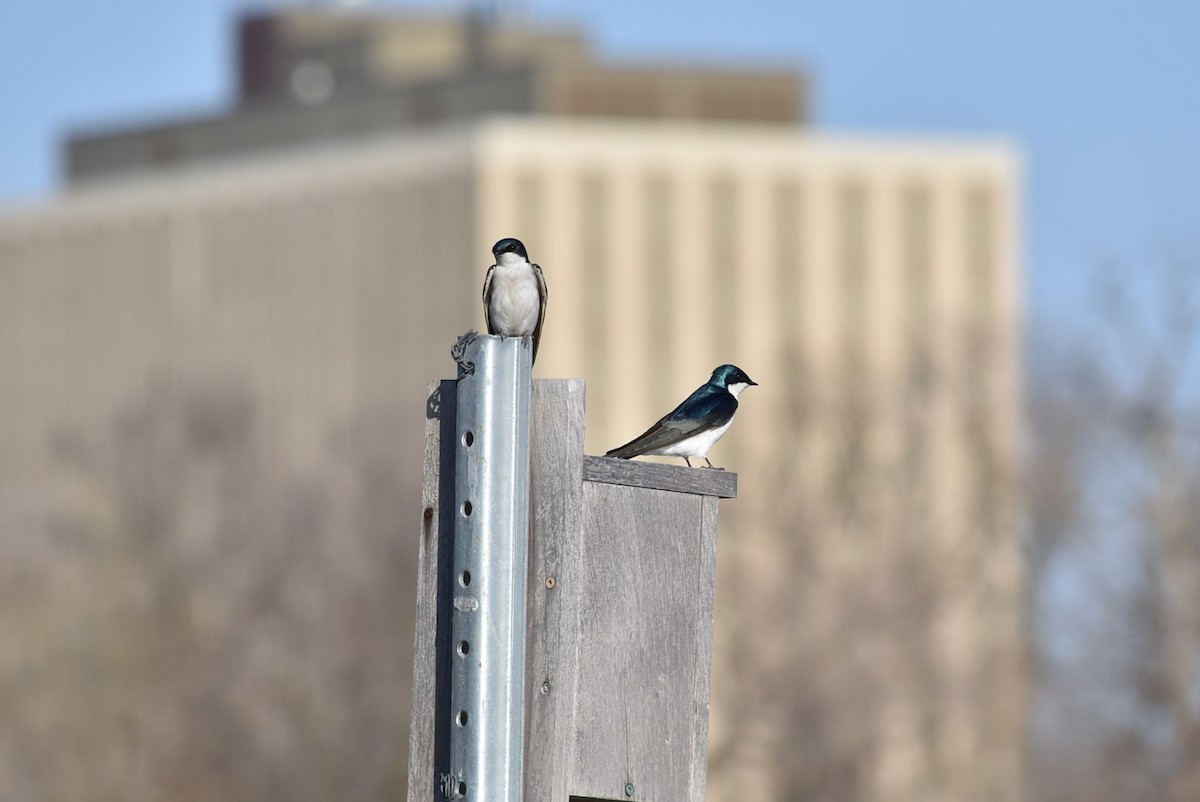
pixel 550 583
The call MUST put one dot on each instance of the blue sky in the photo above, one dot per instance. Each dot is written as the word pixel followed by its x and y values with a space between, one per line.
pixel 1100 95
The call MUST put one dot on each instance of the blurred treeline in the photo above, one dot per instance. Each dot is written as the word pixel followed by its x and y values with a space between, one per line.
pixel 1113 484
pixel 196 626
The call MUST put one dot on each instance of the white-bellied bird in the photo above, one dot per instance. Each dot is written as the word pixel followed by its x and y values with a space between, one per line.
pixel 514 294
pixel 695 426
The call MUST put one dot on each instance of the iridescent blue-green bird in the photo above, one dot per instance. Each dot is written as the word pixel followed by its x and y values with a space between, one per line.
pixel 695 426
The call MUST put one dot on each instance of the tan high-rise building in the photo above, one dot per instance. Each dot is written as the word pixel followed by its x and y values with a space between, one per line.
pixel 869 641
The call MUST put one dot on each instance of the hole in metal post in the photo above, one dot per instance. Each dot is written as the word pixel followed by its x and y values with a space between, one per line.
pixel 462 788
pixel 461 718
pixel 465 578
pixel 468 439
pixel 464 648
pixel 466 508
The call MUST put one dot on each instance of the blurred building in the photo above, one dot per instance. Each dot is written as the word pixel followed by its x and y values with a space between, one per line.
pixel 310 77
pixel 323 243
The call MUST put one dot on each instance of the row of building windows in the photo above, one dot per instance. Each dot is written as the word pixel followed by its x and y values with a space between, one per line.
pixel 855 241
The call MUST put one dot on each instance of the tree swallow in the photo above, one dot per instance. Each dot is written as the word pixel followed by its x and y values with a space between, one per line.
pixel 695 426
pixel 514 294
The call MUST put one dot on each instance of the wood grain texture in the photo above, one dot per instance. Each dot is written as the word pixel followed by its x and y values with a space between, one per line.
pixel 706 591
pixel 429 736
pixel 702 481
pixel 639 637
pixel 556 491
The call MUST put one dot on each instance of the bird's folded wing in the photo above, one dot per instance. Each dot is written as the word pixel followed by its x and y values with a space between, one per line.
pixel 487 296
pixel 694 416
pixel 537 333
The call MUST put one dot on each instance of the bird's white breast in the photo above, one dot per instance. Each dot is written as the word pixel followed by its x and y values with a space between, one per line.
pixel 515 304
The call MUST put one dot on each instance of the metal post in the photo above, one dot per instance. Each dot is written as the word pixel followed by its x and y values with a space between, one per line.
pixel 491 541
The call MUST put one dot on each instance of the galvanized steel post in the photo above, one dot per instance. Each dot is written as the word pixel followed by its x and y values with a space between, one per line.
pixel 491 541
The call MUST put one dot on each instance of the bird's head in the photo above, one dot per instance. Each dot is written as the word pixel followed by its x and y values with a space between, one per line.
pixel 509 245
pixel 732 378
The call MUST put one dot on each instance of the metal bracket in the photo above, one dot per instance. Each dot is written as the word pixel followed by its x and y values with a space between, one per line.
pixel 491 546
